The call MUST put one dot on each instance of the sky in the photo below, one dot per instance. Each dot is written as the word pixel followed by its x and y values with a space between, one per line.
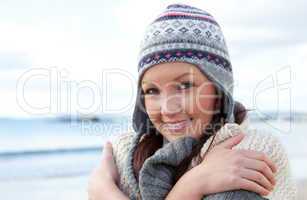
pixel 70 56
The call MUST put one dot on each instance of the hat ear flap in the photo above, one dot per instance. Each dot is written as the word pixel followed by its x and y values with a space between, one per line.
pixel 140 119
pixel 137 122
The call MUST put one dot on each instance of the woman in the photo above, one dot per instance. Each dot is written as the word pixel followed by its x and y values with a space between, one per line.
pixel 191 139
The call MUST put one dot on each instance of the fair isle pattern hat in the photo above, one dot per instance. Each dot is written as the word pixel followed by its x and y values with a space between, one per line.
pixel 184 33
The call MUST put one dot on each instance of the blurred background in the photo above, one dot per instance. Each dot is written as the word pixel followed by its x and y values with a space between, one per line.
pixel 68 79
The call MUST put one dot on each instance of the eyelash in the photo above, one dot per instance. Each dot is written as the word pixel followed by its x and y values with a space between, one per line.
pixel 187 85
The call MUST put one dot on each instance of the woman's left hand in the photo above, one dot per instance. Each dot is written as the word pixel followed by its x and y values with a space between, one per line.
pixel 104 177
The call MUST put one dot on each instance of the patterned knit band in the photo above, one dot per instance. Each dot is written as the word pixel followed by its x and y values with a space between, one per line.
pixel 187 34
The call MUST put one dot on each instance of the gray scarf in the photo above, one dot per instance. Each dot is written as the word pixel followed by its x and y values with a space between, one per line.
pixel 156 177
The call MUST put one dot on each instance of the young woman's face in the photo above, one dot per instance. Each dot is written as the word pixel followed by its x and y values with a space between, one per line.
pixel 179 99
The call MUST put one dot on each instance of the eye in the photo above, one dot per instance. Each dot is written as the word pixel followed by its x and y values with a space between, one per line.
pixel 151 91
pixel 185 85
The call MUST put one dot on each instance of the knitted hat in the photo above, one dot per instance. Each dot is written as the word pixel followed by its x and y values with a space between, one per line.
pixel 185 34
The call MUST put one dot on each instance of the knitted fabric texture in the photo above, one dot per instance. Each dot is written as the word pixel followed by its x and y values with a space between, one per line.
pixel 156 175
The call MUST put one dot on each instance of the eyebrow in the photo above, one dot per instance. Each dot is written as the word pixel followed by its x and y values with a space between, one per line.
pixel 175 79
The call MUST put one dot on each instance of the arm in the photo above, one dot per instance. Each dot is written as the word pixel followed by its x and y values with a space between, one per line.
pixel 225 169
pixel 187 188
pixel 116 194
pixel 102 182
pixel 270 145
pixel 110 191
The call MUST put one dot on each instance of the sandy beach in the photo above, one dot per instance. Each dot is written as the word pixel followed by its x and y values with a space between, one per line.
pixel 302 189
pixel 66 188
pixel 69 188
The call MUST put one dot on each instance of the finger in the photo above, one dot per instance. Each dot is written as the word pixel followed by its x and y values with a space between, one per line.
pixel 256 177
pixel 246 184
pixel 262 167
pixel 107 150
pixel 233 141
pixel 259 156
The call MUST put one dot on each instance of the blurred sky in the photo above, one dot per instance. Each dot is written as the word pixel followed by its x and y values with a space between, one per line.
pixel 69 56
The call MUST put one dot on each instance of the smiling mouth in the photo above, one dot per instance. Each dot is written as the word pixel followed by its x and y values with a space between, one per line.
pixel 177 126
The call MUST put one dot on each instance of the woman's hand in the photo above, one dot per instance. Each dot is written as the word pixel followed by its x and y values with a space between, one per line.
pixel 104 178
pixel 225 169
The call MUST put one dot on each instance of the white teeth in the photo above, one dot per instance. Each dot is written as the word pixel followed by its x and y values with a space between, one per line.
pixel 177 126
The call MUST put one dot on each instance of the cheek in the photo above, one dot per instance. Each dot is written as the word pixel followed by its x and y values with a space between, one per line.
pixel 152 107
pixel 202 101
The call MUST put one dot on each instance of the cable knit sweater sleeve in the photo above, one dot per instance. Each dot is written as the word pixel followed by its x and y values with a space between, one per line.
pixel 121 146
pixel 272 147
pixel 261 141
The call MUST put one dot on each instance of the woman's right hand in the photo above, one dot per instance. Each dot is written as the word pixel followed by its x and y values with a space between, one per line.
pixel 104 178
pixel 225 169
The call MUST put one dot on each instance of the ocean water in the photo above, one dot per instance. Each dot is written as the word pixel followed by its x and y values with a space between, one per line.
pixel 46 148
pixel 50 148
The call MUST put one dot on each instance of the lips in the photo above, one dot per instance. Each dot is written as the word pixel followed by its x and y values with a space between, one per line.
pixel 177 126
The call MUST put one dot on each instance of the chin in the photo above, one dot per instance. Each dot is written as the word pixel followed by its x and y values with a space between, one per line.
pixel 171 136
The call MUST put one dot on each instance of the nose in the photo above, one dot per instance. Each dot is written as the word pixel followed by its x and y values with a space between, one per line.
pixel 171 105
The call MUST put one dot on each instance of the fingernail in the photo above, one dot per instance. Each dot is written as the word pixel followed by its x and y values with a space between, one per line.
pixel 266 193
pixel 107 143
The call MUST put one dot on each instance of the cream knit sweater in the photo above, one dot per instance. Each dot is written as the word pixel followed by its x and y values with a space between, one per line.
pixel 285 188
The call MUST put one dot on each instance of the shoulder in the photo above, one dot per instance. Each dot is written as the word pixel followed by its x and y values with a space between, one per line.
pixel 269 144
pixel 123 138
pixel 264 141
pixel 122 142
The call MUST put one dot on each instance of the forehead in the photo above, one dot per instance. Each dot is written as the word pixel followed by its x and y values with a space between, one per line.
pixel 165 72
